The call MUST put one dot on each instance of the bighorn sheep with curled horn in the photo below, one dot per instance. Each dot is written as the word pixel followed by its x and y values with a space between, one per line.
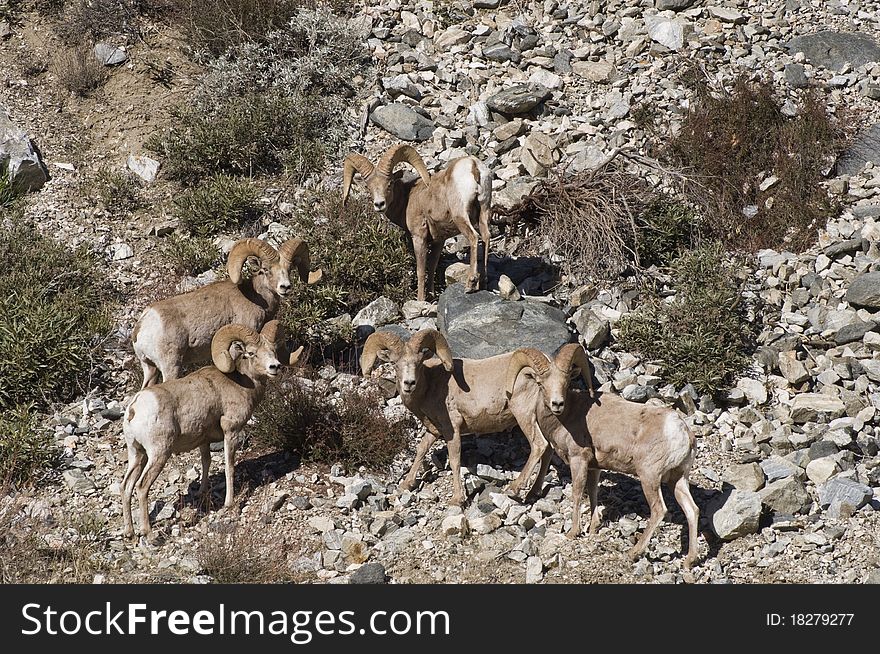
pixel 211 404
pixel 431 209
pixel 606 432
pixel 452 397
pixel 178 330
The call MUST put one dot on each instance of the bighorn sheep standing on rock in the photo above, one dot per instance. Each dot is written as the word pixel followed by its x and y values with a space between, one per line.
pixel 178 330
pixel 606 432
pixel 453 397
pixel 212 404
pixel 453 201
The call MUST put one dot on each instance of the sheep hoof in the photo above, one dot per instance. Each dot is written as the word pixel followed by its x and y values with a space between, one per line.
pixel 472 285
pixel 457 500
pixel 406 485
pixel 634 554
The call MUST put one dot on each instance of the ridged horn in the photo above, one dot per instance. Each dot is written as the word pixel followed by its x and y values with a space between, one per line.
pixel 375 342
pixel 353 163
pixel 525 357
pixel 248 247
pixel 403 153
pixel 575 355
pixel 273 331
pixel 224 337
pixel 434 341
pixel 294 253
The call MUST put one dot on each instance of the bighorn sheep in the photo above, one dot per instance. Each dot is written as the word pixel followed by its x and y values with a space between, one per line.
pixel 453 201
pixel 453 397
pixel 211 404
pixel 178 330
pixel 606 432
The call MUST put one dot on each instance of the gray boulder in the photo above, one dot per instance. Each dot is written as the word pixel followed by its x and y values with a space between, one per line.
pixel 378 312
pixel 404 123
pixel 673 5
pixel 482 324
pixel 833 50
pixel 518 99
pixel 841 496
pixel 738 516
pixel 594 330
pixel 786 496
pixel 864 291
pixel 20 157
pixel 864 148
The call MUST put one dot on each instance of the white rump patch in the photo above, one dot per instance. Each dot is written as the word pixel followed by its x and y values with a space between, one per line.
pixel 149 334
pixel 677 439
pixel 465 184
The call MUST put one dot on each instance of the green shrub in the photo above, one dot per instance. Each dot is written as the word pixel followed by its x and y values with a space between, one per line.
pixel 664 230
pixel 730 142
pixel 118 191
pixel 361 254
pixel 220 202
pixel 53 310
pixel 191 256
pixel 26 446
pixel 702 336
pixel 259 133
pixel 353 431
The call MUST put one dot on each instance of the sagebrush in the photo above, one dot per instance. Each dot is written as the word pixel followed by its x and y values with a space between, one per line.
pixel 79 71
pixel 350 429
pixel 734 141
pixel 191 255
pixel 26 446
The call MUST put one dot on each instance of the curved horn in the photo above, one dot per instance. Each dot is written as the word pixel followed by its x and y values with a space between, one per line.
pixel 574 355
pixel 248 247
pixel 224 337
pixel 378 341
pixel 353 163
pixel 273 331
pixel 525 357
pixel 294 253
pixel 434 341
pixel 403 153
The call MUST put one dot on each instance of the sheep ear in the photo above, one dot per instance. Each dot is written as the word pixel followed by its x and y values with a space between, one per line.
pixel 236 350
pixel 385 355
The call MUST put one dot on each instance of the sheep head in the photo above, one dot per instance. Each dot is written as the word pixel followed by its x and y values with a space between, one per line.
pixel 408 358
pixel 275 336
pixel 552 376
pixel 379 179
pixel 275 265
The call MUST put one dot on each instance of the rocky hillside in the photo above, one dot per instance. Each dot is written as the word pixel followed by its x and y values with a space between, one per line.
pixel 787 471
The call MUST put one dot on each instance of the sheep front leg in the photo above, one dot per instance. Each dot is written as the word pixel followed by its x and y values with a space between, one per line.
pixel 454 448
pixel 578 481
pixel 651 488
pixel 486 236
pixel 593 476
pixel 230 440
pixel 433 260
pixel 538 484
pixel 539 447
pixel 206 467
pixel 420 249
pixel 422 450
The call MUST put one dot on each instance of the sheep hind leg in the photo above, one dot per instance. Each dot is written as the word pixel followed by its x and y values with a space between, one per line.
pixel 154 467
pixel 137 459
pixel 151 373
pixel 486 236
pixel 205 451
pixel 682 492
pixel 539 446
pixel 473 280
pixel 652 492
pixel 422 450
pixel 420 250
